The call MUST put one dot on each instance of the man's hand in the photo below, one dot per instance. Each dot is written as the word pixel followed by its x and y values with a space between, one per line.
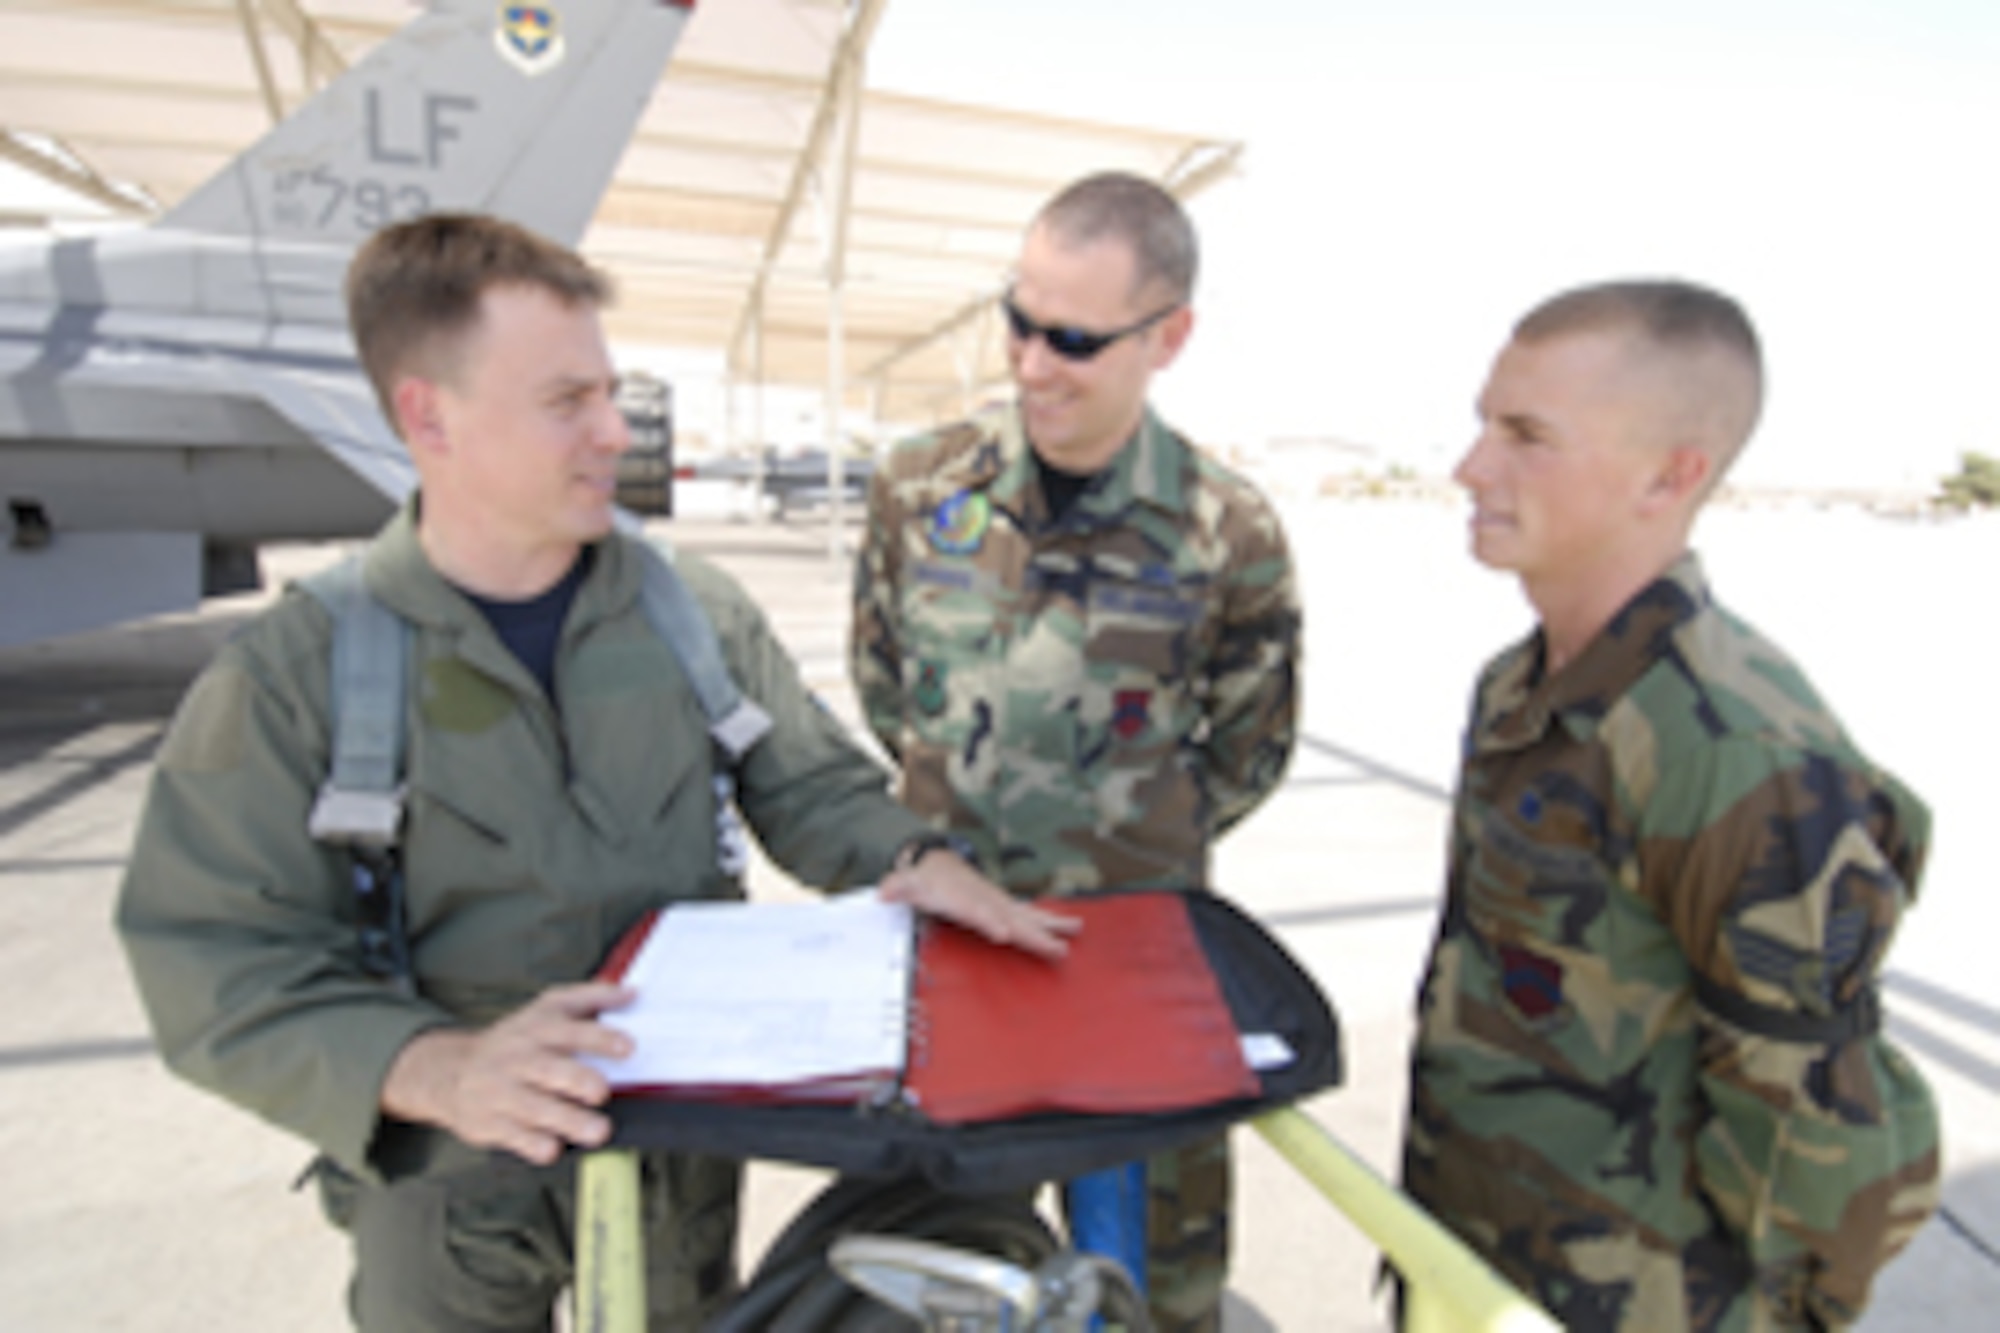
pixel 518 1084
pixel 942 884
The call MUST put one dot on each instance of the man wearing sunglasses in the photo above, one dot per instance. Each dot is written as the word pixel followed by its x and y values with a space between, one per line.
pixel 1077 634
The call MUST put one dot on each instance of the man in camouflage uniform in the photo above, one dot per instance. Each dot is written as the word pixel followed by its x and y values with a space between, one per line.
pixel 1077 634
pixel 561 782
pixel 1647 1082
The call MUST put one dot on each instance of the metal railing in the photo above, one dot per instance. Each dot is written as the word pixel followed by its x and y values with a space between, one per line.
pixel 1448 1288
pixel 610 1244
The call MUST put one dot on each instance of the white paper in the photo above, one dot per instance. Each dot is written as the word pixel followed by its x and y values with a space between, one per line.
pixel 767 994
pixel 1266 1050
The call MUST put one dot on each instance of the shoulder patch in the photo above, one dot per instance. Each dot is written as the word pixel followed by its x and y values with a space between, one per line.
pixel 1131 710
pixel 1533 983
pixel 958 526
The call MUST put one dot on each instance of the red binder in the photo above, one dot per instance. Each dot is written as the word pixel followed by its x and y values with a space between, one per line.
pixel 1130 1021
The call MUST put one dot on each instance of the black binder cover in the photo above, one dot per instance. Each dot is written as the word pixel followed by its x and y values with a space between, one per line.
pixel 1266 991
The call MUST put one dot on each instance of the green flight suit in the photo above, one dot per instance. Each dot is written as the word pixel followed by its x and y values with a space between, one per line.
pixel 1089 701
pixel 537 830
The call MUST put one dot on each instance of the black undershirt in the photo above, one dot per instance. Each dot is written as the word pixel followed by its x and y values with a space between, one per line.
pixel 532 629
pixel 1060 488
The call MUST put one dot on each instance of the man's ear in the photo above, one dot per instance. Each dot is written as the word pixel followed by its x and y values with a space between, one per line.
pixel 1174 331
pixel 419 416
pixel 1682 476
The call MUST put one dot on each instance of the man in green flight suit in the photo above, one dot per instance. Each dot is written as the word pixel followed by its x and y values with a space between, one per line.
pixel 1077 634
pixel 561 781
pixel 1648 1083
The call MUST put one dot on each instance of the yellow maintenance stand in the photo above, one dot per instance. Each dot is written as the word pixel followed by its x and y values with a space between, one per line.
pixel 1449 1289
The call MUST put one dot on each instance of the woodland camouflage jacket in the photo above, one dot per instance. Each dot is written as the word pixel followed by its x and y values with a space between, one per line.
pixel 1673 878
pixel 1092 700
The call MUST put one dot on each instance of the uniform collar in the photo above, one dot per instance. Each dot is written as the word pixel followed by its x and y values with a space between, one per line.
pixel 1151 469
pixel 1518 702
pixel 403 578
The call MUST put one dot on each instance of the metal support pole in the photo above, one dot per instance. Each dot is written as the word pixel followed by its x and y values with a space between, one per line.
pixel 759 438
pixel 253 38
pixel 728 413
pixel 836 364
pixel 838 180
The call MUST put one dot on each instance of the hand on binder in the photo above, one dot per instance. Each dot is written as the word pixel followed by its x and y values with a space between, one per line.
pixel 944 885
pixel 841 1001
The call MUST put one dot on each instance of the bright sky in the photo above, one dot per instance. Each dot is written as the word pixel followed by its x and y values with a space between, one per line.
pixel 1418 174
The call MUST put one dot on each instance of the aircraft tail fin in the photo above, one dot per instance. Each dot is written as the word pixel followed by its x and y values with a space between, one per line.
pixel 519 110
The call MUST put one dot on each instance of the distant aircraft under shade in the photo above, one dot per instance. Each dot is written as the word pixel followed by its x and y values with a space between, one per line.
pixel 173 396
pixel 788 481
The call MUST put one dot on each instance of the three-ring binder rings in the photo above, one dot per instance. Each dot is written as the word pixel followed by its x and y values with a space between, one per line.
pixel 852 1000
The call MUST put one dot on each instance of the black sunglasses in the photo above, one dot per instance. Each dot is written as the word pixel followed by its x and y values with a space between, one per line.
pixel 1070 343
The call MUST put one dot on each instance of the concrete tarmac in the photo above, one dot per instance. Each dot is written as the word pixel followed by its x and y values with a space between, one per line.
pixel 135 1202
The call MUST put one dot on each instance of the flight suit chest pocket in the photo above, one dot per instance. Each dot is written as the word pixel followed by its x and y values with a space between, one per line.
pixel 470 854
pixel 637 750
pixel 472 810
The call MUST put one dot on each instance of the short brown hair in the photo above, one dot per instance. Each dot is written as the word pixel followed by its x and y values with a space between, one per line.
pixel 414 289
pixel 1136 211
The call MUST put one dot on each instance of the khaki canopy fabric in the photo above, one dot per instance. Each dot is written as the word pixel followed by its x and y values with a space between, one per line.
pixel 763 172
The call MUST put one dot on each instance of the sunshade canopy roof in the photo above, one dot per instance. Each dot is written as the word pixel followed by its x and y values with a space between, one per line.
pixel 730 217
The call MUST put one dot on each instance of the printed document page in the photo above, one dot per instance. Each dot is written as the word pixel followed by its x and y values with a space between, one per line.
pixel 762 995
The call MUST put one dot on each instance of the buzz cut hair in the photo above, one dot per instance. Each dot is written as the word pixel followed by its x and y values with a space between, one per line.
pixel 1685 322
pixel 414 290
pixel 1120 206
pixel 1667 311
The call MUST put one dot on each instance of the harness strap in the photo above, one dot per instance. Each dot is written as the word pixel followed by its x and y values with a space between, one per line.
pixel 735 722
pixel 360 805
pixel 361 801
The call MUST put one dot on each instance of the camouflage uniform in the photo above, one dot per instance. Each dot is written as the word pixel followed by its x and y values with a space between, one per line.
pixel 1670 868
pixel 537 830
pixel 1090 702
